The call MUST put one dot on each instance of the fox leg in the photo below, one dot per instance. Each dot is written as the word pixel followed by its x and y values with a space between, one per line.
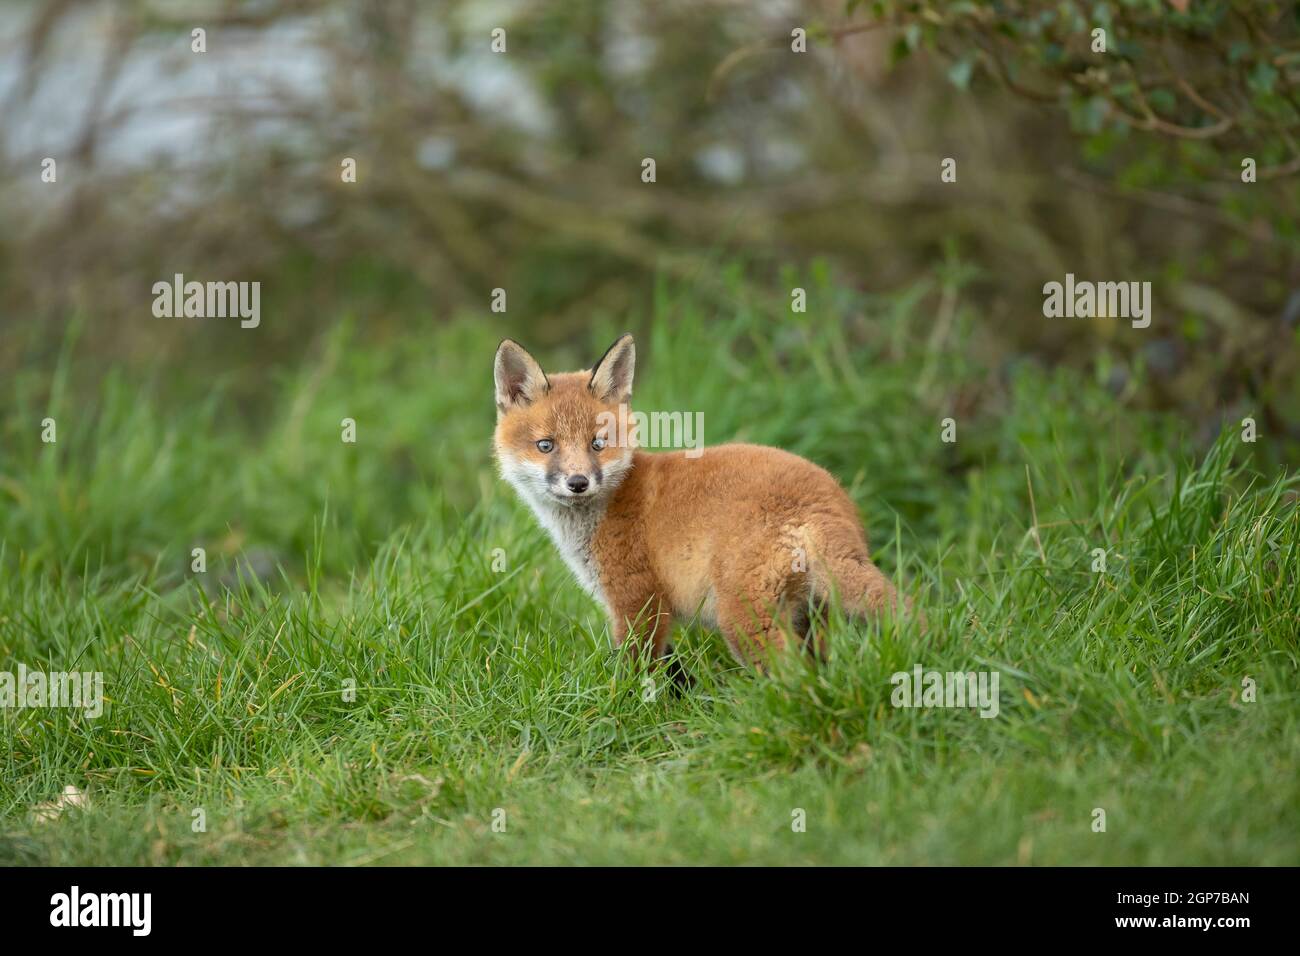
pixel 757 630
pixel 762 607
pixel 647 617
pixel 761 596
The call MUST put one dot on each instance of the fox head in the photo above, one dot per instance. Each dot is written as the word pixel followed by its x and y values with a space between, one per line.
pixel 562 440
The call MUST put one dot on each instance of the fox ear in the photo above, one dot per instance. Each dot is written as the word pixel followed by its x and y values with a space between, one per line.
pixel 519 379
pixel 611 379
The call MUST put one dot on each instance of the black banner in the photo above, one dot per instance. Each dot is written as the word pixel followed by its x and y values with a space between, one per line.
pixel 1216 906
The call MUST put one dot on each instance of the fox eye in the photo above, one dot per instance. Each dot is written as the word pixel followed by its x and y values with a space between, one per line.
pixel 545 446
pixel 598 443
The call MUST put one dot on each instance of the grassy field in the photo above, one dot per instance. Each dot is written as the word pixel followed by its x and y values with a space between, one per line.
pixel 485 689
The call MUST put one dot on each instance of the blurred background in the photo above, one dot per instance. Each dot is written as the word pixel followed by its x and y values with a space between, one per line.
pixel 521 170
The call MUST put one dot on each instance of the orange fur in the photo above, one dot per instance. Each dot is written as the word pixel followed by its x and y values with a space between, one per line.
pixel 752 539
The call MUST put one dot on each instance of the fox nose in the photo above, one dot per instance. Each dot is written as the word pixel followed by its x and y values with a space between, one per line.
pixel 577 483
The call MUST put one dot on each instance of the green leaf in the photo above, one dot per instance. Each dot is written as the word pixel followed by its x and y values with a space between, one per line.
pixel 1262 77
pixel 959 73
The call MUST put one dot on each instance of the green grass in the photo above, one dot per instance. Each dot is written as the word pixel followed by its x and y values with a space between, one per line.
pixel 479 689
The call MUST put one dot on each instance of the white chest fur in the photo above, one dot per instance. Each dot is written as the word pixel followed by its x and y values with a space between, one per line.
pixel 572 530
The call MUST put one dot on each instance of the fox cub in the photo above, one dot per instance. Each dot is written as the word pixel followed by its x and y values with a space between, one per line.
pixel 754 540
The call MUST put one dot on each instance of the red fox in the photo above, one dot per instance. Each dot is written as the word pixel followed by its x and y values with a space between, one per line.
pixel 754 540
